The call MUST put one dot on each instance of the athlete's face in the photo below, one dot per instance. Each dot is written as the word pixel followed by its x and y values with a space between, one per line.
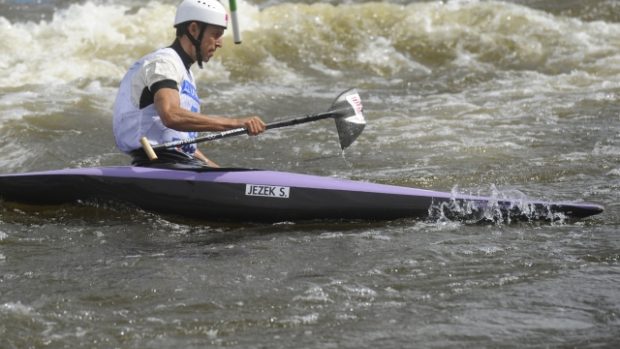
pixel 211 41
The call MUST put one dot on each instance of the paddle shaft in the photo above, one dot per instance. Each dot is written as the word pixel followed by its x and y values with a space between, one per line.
pixel 243 131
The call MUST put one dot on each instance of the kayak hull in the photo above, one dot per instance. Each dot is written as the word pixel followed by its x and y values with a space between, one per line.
pixel 267 196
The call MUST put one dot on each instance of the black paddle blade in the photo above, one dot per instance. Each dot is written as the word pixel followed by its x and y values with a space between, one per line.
pixel 349 117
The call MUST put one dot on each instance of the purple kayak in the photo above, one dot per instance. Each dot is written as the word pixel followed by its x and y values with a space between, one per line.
pixel 268 196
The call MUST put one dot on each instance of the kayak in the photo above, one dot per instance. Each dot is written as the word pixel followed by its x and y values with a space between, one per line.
pixel 269 196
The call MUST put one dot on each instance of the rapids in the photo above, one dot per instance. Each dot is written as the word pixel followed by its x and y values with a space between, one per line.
pixel 503 98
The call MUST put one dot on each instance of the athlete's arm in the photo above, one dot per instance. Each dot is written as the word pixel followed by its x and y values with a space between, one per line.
pixel 168 105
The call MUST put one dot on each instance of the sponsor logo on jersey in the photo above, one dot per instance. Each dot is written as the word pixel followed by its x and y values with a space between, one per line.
pixel 189 90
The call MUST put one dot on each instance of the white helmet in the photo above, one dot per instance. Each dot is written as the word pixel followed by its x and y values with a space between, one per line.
pixel 205 11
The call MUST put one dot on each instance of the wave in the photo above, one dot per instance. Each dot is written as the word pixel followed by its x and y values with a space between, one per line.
pixel 293 42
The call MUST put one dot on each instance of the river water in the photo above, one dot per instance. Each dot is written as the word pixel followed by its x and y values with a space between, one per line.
pixel 518 98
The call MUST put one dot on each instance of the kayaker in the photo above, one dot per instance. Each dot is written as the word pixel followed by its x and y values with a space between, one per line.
pixel 157 97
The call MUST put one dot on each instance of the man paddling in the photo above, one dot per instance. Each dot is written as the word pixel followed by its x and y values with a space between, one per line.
pixel 157 98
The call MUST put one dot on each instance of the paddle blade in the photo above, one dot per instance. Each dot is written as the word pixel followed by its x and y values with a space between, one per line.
pixel 349 117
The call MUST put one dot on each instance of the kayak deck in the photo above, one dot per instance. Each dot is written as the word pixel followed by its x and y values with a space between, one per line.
pixel 268 196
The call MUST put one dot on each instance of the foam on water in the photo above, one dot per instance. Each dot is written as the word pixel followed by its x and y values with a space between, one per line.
pixel 97 41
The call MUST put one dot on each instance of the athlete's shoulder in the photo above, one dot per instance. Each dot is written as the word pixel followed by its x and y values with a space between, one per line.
pixel 163 64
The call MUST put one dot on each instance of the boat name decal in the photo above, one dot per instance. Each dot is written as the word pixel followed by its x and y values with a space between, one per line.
pixel 270 191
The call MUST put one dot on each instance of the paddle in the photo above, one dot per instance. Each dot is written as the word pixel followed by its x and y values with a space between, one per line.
pixel 346 110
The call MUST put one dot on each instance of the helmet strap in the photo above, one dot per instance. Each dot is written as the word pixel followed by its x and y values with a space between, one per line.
pixel 197 41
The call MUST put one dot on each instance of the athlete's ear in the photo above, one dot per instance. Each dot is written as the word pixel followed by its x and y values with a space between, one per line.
pixel 194 29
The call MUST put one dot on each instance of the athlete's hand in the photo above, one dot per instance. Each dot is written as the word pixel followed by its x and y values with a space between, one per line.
pixel 254 125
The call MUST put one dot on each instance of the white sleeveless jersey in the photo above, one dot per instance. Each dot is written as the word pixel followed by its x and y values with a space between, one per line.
pixel 131 123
